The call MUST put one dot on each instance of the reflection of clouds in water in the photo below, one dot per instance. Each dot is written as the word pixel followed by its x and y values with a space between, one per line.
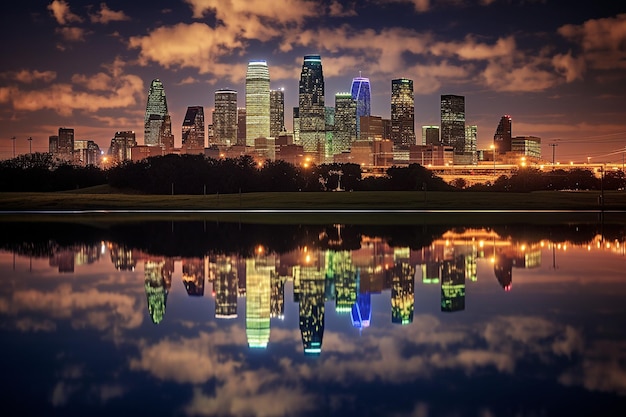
pixel 100 310
pixel 603 368
pixel 239 391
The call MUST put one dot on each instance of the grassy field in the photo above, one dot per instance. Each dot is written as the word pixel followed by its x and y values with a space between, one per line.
pixel 322 207
pixel 103 198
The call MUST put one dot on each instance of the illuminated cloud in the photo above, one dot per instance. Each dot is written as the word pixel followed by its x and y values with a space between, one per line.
pixel 336 9
pixel 501 75
pixel 28 77
pixel 602 41
pixel 231 12
pixel 106 15
pixel 419 5
pixel 61 11
pixel 72 34
pixel 470 49
pixel 87 93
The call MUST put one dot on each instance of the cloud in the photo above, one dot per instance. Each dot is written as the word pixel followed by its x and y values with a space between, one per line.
pixel 570 67
pixel 106 15
pixel 28 77
pixel 470 49
pixel 72 34
pixel 88 93
pixel 230 12
pixel 420 6
pixel 602 41
pixel 61 11
pixel 336 9
pixel 90 308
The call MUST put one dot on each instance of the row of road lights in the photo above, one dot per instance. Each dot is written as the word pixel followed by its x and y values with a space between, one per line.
pixel 30 145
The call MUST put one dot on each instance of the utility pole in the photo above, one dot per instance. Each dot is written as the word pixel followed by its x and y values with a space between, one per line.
pixel 30 145
pixel 13 139
pixel 554 145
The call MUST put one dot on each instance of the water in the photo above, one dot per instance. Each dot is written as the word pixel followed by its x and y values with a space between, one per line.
pixel 206 318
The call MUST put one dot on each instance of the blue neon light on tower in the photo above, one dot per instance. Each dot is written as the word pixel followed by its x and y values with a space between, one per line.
pixel 361 94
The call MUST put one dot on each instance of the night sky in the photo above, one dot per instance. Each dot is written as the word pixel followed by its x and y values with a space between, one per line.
pixel 557 67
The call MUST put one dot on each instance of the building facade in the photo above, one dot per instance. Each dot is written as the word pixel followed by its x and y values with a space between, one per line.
pixel 257 101
pixel 502 138
pixel 225 117
pixel 453 122
pixel 402 112
pixel 121 146
pixel 361 94
pixel 430 135
pixel 345 130
pixel 156 110
pixel 241 126
pixel 277 112
pixel 193 130
pixel 311 107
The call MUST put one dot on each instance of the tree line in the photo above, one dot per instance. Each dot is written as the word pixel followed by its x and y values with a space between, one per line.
pixel 197 174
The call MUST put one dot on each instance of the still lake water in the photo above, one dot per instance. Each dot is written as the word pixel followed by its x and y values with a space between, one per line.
pixel 219 319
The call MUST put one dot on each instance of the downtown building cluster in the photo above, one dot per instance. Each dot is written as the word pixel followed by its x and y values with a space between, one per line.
pixel 345 132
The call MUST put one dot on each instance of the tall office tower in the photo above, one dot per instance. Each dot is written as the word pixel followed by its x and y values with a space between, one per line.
pixel 277 295
pixel 430 135
pixel 471 138
pixel 453 122
pixel 156 110
pixel 296 125
pixel 241 126
pixel 345 276
pixel 311 291
pixel 225 288
pixel 453 284
pixel 402 112
pixel 66 144
pixel 311 107
pixel 502 138
pixel 156 291
pixel 345 122
pixel 86 152
pixel 329 128
pixel 257 101
pixel 225 117
pixel 258 289
pixel 121 145
pixel 360 91
pixel 193 276
pixel 166 137
pixel 277 112
pixel 53 144
pixel 193 130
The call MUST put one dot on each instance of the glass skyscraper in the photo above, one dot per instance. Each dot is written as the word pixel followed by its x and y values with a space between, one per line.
pixel 225 117
pixel 402 112
pixel 360 91
pixel 193 130
pixel 257 101
pixel 277 112
pixel 502 138
pixel 156 110
pixel 345 122
pixel 311 107
pixel 453 122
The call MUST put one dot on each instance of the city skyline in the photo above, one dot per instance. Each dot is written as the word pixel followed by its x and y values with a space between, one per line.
pixel 558 71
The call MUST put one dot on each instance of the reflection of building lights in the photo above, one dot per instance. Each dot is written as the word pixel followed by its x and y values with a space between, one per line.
pixel 259 250
pixel 307 259
pixel 558 246
pixel 507 287
pixel 564 247
pixel 542 244
pixel 588 248
pixel 493 259
pixel 608 245
pixel 481 243
pixel 523 248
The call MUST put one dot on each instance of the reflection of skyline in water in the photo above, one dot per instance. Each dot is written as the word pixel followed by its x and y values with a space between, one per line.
pixel 471 308
pixel 345 279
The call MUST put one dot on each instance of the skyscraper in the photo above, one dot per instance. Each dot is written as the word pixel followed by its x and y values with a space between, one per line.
pixel 502 138
pixel 430 135
pixel 156 110
pixel 453 122
pixel 471 138
pixel 193 130
pixel 257 101
pixel 66 144
pixel 345 122
pixel 277 112
pixel 241 126
pixel 360 91
pixel 311 107
pixel 225 117
pixel 121 145
pixel 402 112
